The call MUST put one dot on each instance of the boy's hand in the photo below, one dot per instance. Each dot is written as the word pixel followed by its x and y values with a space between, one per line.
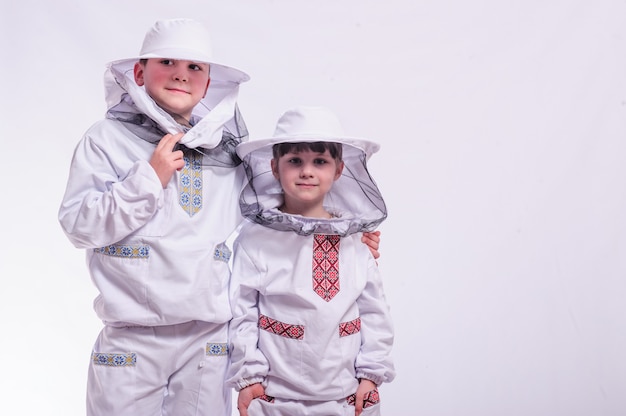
pixel 164 161
pixel 372 240
pixel 365 386
pixel 246 395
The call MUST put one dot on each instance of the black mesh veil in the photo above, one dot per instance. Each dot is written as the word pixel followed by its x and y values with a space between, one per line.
pixel 218 126
pixel 354 199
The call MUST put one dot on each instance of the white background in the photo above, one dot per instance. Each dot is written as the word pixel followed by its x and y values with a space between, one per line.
pixel 503 127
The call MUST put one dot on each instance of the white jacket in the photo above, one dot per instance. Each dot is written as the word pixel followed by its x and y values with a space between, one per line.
pixel 272 276
pixel 152 262
pixel 283 334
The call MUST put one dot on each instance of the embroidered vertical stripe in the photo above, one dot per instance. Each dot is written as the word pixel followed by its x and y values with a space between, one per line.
pixel 326 265
pixel 190 197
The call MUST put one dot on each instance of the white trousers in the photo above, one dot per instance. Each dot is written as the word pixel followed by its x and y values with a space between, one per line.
pixel 175 370
pixel 282 407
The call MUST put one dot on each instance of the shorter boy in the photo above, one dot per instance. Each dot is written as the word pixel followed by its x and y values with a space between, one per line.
pixel 311 331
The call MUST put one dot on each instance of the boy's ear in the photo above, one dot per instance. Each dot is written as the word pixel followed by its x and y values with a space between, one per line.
pixel 339 170
pixel 138 72
pixel 207 87
pixel 274 164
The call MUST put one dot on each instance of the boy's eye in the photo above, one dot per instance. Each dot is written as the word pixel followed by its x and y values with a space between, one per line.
pixel 294 160
pixel 167 62
pixel 195 67
pixel 320 161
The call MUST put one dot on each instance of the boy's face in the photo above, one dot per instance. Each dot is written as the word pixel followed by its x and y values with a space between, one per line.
pixel 306 177
pixel 175 85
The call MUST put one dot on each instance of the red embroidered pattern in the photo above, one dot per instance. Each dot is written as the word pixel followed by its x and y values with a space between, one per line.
pixel 326 265
pixel 350 327
pixel 265 397
pixel 281 328
pixel 371 398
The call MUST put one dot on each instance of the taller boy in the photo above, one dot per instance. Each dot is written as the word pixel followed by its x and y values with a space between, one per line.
pixel 152 195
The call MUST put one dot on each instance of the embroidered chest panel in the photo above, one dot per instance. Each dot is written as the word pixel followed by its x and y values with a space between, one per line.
pixel 190 185
pixel 326 265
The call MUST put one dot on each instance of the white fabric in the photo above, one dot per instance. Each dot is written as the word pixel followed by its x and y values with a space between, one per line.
pixel 183 39
pixel 215 110
pixel 272 275
pixel 354 193
pixel 308 124
pixel 173 374
pixel 113 196
pixel 281 407
pixel 208 132
pixel 177 38
pixel 154 265
pixel 186 39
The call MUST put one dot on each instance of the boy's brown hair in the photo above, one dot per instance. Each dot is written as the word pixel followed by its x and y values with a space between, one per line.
pixel 335 149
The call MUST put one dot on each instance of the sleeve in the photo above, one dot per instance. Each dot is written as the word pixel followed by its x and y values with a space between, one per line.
pixel 248 364
pixel 100 207
pixel 374 359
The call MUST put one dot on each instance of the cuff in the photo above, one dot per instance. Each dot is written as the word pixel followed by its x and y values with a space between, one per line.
pixel 242 384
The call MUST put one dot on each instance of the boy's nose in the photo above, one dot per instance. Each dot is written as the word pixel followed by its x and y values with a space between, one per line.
pixel 180 76
pixel 305 171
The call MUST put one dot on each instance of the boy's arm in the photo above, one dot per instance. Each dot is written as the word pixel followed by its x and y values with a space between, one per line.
pixel 246 395
pixel 248 364
pixel 100 207
pixel 365 386
pixel 374 359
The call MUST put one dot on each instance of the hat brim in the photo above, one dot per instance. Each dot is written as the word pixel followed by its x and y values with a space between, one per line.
pixel 219 72
pixel 367 146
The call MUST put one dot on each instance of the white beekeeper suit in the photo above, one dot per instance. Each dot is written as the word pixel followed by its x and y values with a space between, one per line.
pixel 305 339
pixel 158 256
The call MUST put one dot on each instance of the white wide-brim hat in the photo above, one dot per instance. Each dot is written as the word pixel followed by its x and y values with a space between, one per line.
pixel 308 124
pixel 180 39
pixel 354 193
pixel 184 39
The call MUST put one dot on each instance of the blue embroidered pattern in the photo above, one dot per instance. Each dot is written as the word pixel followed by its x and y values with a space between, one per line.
pixel 222 253
pixel 135 251
pixel 114 359
pixel 216 349
pixel 191 183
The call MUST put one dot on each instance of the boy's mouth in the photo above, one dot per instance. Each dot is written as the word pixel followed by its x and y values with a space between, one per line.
pixel 177 90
